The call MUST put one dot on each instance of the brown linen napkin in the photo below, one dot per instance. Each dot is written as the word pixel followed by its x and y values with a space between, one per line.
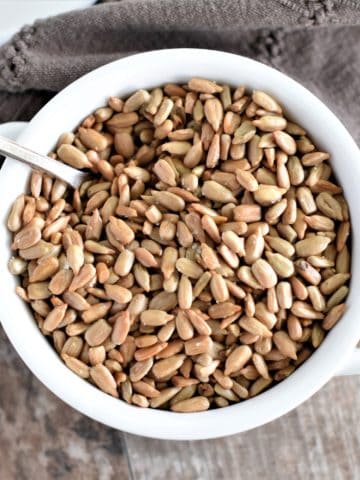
pixel 316 42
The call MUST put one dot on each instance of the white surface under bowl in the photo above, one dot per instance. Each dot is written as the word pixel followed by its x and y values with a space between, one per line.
pixel 145 71
pixel 14 14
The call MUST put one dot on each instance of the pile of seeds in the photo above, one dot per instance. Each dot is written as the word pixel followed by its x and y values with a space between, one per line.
pixel 205 260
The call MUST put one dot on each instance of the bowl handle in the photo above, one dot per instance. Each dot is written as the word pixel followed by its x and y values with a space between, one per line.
pixel 352 366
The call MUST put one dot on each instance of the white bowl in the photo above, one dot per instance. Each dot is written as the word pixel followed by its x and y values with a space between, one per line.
pixel 63 113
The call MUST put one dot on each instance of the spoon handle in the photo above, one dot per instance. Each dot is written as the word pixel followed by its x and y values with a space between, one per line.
pixel 41 162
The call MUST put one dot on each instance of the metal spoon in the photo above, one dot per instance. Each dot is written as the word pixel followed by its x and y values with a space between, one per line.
pixel 57 169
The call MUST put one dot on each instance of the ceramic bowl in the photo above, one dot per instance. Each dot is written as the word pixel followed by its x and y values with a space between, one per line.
pixel 336 354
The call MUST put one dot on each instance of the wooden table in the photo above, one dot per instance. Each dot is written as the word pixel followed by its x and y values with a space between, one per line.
pixel 41 438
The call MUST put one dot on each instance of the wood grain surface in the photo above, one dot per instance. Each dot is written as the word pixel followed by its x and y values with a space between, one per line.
pixel 41 438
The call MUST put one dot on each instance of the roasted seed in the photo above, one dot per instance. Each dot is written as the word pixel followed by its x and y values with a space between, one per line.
pixel 142 282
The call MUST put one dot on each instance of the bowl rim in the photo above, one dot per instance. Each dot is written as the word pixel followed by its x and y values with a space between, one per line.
pixel 273 403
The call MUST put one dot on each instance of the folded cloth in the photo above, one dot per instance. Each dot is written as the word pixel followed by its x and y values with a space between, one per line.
pixel 316 42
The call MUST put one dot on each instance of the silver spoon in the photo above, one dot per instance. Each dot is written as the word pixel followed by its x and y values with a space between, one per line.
pixel 57 169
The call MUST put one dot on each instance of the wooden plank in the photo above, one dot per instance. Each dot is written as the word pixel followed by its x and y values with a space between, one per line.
pixel 320 440
pixel 41 438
